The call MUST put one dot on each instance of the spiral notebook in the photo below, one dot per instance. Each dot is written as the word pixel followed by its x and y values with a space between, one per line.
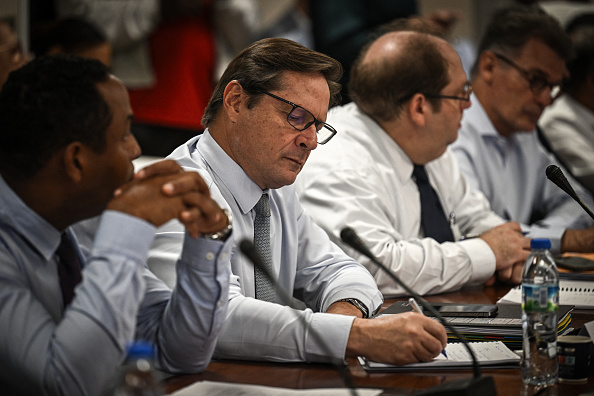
pixel 493 354
pixel 571 292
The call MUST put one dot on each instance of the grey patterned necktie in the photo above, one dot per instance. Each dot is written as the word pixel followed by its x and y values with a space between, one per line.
pixel 264 287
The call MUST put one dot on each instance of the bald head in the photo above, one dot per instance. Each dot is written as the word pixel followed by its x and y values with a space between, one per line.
pixel 394 67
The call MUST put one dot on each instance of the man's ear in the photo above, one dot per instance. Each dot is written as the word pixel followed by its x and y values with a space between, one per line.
pixel 233 96
pixel 486 66
pixel 74 161
pixel 418 109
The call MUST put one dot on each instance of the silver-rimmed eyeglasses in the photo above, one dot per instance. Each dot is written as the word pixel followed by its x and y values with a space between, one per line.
pixel 301 119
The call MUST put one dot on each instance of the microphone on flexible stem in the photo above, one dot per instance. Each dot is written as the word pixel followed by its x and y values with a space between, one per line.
pixel 249 250
pixel 478 385
pixel 555 174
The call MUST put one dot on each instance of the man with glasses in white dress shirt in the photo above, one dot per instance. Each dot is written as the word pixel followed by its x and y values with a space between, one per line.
pixel 265 117
pixel 409 91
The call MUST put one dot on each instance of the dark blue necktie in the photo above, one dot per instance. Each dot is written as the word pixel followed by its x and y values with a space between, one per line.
pixel 433 218
pixel 69 268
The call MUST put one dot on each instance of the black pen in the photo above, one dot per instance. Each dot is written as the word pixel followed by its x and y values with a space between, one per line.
pixel 416 307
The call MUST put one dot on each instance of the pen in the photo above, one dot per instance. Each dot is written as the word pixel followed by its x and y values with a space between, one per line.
pixel 417 309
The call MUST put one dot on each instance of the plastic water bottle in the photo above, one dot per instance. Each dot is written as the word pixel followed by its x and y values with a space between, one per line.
pixel 138 377
pixel 540 303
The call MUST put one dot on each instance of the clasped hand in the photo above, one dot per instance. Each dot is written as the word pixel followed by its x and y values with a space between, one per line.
pixel 164 191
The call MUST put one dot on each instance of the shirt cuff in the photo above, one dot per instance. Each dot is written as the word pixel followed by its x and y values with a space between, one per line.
pixel 208 250
pixel 482 259
pixel 554 234
pixel 328 336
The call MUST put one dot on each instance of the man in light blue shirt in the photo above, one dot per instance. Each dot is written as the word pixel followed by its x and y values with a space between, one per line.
pixel 263 120
pixel 518 73
pixel 65 147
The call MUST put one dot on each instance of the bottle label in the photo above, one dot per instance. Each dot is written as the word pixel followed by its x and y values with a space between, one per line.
pixel 536 298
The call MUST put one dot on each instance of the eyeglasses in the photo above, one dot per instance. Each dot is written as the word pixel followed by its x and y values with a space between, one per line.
pixel 537 83
pixel 301 119
pixel 467 91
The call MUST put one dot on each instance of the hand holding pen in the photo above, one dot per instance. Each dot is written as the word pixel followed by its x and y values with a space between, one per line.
pixel 413 303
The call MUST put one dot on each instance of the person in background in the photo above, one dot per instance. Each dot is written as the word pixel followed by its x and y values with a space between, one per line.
pixel 67 314
pixel 164 52
pixel 265 117
pixel 568 124
pixel 11 54
pixel 518 73
pixel 72 36
pixel 342 27
pixel 409 92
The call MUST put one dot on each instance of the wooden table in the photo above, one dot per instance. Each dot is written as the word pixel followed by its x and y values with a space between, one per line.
pixel 306 376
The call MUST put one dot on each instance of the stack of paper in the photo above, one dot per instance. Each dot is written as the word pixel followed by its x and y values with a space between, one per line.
pixel 506 326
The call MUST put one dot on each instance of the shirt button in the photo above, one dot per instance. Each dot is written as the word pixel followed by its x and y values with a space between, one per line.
pixel 210 256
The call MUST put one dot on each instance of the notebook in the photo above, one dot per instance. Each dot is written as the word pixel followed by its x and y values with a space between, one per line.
pixel 571 292
pixel 488 354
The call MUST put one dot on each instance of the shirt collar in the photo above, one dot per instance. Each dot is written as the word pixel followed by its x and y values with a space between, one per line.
pixel 15 214
pixel 244 190
pixel 380 138
pixel 476 115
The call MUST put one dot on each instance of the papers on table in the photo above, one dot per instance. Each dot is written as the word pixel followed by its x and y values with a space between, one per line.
pixel 571 292
pixel 491 354
pixel 226 389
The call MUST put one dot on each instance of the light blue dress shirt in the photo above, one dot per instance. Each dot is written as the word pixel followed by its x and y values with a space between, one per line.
pixel 511 173
pixel 46 350
pixel 307 264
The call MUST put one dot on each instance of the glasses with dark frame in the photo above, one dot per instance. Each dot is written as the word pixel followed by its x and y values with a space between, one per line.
pixel 537 83
pixel 301 119
pixel 467 91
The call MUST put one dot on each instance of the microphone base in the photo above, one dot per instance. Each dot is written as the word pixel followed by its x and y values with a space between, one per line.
pixel 481 386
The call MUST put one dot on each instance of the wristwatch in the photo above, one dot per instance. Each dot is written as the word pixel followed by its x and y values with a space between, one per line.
pixel 358 304
pixel 223 234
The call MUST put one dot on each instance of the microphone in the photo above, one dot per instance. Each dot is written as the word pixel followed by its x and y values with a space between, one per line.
pixel 249 250
pixel 555 174
pixel 478 385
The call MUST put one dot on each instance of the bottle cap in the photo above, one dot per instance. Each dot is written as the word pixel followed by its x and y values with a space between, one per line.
pixel 540 243
pixel 141 349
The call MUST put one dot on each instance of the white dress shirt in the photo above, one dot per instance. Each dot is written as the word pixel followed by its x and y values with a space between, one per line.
pixel 307 264
pixel 511 173
pixel 569 128
pixel 363 179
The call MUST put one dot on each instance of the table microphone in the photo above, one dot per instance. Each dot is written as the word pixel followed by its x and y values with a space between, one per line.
pixel 249 250
pixel 478 385
pixel 555 174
